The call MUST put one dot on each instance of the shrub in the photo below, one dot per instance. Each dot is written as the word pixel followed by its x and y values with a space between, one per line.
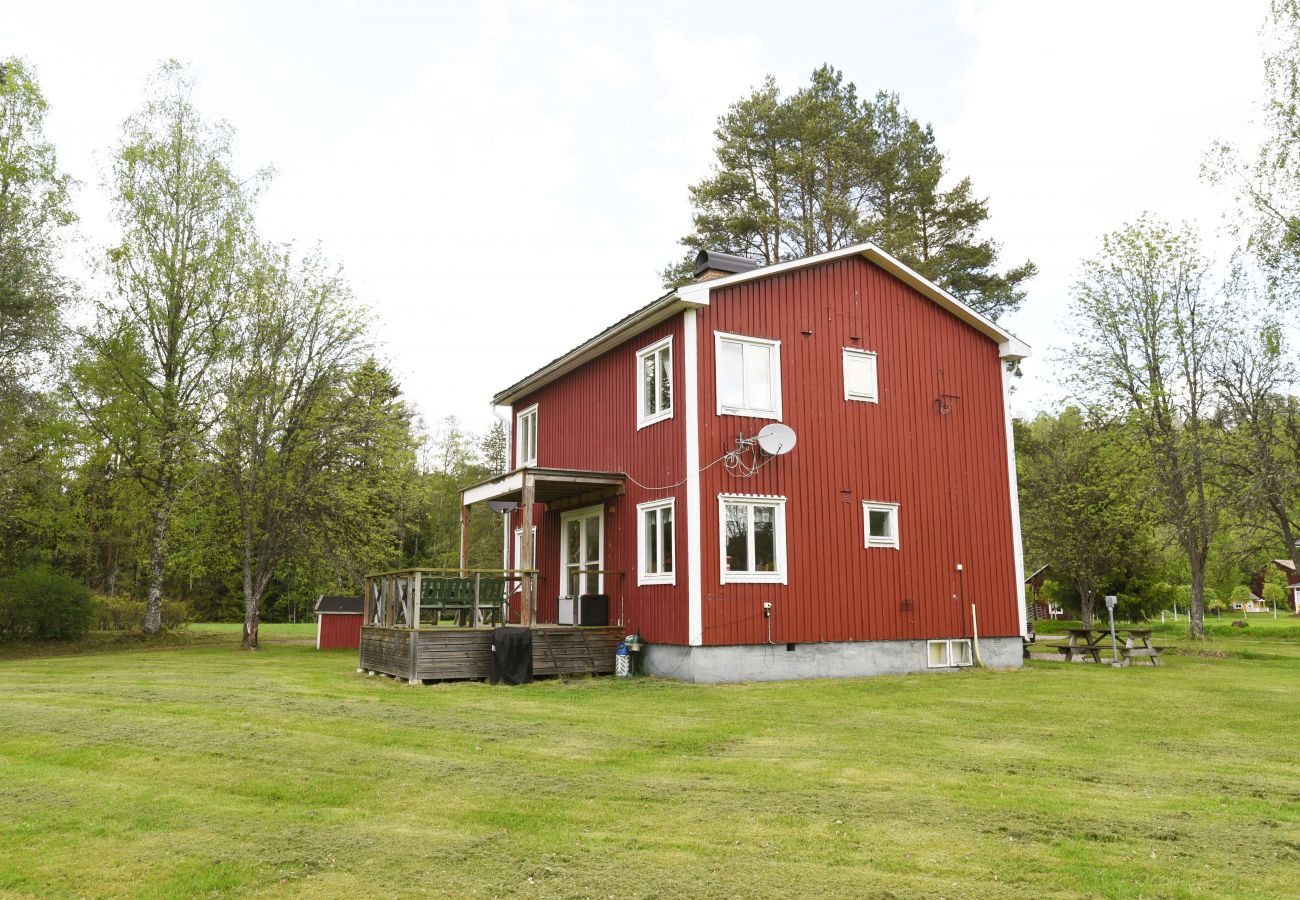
pixel 126 614
pixel 40 604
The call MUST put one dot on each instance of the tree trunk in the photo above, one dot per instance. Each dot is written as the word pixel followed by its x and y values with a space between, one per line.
pixel 1196 608
pixel 1087 599
pixel 157 556
pixel 252 608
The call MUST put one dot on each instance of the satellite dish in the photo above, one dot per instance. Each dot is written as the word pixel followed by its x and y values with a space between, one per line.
pixel 776 439
pixel 502 506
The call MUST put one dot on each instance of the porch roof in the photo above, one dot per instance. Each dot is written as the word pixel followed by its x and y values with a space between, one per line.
pixel 550 486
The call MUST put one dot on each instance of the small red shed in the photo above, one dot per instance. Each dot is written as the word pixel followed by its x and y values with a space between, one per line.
pixel 338 622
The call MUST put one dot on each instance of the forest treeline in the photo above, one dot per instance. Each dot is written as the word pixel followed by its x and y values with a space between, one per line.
pixel 220 430
pixel 205 419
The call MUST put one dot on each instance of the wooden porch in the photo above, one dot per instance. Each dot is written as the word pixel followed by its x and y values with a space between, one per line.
pixel 445 654
pixel 436 625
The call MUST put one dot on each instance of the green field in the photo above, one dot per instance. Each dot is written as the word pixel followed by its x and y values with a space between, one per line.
pixel 208 771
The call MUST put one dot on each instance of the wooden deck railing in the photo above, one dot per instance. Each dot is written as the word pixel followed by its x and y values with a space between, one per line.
pixel 407 597
pixel 415 598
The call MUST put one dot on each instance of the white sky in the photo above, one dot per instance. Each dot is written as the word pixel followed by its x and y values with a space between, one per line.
pixel 502 180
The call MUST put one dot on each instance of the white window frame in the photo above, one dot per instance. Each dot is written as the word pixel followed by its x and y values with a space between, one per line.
pixel 781 574
pixel 642 420
pixel 585 513
pixel 645 577
pixel 519 552
pixel 774 349
pixel 853 353
pixel 949 660
pixel 870 506
pixel 520 443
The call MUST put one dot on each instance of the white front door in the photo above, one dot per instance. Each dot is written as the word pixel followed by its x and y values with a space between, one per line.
pixel 582 549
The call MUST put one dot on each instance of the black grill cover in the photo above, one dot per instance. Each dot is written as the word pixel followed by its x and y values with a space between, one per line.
pixel 593 609
pixel 512 656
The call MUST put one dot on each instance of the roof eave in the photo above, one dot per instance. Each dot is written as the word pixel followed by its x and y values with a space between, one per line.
pixel 661 310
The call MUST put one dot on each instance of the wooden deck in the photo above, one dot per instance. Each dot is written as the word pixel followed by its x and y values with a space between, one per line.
pixel 445 654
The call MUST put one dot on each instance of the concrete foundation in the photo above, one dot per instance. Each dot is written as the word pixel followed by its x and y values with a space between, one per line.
pixel 847 659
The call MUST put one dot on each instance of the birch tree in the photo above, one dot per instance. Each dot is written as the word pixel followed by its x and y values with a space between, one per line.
pixel 1148 322
pixel 1255 380
pixel 287 424
pixel 145 382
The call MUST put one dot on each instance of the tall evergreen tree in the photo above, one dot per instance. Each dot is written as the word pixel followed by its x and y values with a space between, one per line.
pixel 823 169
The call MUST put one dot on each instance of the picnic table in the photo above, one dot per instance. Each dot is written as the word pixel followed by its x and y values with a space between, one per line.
pixel 1085 643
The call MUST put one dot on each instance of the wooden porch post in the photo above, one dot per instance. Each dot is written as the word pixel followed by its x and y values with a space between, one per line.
pixel 366 611
pixel 418 578
pixel 464 537
pixel 528 593
pixel 389 591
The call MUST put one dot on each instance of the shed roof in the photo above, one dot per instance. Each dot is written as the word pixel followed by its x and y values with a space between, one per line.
pixel 339 603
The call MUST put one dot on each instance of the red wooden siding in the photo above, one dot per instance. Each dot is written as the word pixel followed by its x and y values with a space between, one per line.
pixel 587 420
pixel 340 631
pixel 946 470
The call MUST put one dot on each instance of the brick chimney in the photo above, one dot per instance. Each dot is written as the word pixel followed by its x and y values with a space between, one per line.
pixel 709 264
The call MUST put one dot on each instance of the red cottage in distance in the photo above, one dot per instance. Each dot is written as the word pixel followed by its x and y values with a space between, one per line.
pixel 885 540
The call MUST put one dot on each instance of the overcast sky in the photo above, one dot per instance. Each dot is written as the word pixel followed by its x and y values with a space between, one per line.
pixel 502 180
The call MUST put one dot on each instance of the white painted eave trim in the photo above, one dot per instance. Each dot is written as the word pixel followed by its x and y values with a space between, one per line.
pixel 660 311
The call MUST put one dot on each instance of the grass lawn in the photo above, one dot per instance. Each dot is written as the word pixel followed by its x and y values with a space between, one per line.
pixel 266 631
pixel 211 771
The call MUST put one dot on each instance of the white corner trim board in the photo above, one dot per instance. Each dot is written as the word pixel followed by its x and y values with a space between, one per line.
pixel 1017 546
pixel 694 549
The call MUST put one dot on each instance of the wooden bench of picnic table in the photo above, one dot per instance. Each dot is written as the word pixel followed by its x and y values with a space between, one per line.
pixel 1150 651
pixel 1069 650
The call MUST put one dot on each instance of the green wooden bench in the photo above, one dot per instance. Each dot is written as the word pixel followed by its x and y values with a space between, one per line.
pixel 465 599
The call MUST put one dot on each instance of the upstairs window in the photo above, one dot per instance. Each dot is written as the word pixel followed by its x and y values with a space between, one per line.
pixel 654 366
pixel 881 524
pixel 748 376
pixel 655 539
pixel 860 376
pixel 526 437
pixel 753 538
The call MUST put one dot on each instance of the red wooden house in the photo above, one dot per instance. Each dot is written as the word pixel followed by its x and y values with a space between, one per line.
pixel 883 541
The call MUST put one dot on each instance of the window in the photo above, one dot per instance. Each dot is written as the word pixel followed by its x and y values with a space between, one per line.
pixel 753 538
pixel 655 540
pixel 880 521
pixel 860 375
pixel 748 376
pixel 654 367
pixel 526 442
pixel 947 654
pixel 518 561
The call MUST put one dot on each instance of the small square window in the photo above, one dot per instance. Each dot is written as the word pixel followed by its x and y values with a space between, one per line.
pixel 880 521
pixel 959 652
pixel 938 654
pixel 860 376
